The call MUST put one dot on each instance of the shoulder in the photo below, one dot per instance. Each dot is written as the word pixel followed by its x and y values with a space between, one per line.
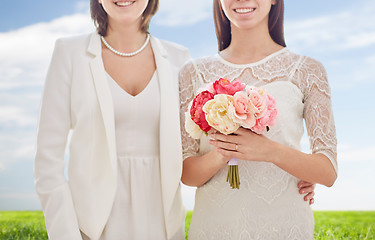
pixel 312 75
pixel 74 43
pixel 306 63
pixel 313 65
pixel 75 40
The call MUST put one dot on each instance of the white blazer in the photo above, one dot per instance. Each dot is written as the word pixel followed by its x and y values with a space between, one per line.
pixel 77 99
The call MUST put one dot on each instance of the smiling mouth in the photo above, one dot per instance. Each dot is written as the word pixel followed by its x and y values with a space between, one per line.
pixel 124 3
pixel 244 10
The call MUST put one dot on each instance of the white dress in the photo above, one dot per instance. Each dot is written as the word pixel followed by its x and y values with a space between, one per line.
pixel 267 205
pixel 137 213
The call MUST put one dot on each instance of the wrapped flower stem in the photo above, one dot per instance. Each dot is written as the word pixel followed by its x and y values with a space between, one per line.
pixel 233 176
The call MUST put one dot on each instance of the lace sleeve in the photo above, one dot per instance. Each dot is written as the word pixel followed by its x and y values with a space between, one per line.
pixel 187 81
pixel 317 112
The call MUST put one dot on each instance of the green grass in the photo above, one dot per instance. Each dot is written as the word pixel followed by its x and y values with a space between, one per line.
pixel 344 225
pixel 328 225
pixel 22 226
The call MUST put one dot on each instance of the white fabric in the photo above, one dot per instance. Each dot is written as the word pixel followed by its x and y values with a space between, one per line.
pixel 267 205
pixel 137 212
pixel 77 99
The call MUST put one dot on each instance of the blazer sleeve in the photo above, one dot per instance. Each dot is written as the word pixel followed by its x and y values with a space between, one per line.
pixel 54 126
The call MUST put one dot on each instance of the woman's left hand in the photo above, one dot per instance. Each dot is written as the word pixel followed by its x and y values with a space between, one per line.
pixel 244 144
pixel 307 187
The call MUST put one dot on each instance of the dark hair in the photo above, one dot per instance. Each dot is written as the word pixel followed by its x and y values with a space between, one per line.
pixel 275 24
pixel 99 16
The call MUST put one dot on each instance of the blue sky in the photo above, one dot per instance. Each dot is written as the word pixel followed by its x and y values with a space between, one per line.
pixel 341 34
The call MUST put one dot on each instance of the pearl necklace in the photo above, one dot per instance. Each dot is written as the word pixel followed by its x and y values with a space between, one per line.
pixel 126 54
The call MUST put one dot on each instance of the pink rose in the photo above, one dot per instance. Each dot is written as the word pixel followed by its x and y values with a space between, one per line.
pixel 196 110
pixel 271 102
pixel 243 111
pixel 209 87
pixel 224 86
pixel 272 110
pixel 258 100
pixel 270 117
pixel 260 125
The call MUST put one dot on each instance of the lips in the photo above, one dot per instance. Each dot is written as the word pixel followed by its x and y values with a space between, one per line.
pixel 244 10
pixel 124 3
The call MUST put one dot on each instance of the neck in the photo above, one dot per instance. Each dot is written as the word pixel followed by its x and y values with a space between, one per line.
pixel 250 45
pixel 125 37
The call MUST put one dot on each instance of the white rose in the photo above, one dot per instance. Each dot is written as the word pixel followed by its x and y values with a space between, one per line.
pixel 218 114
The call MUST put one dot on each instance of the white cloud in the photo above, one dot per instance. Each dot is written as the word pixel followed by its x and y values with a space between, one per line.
pixel 24 39
pixel 370 60
pixel 340 31
pixel 17 146
pixel 344 41
pixel 16 116
pixel 82 6
pixel 24 44
pixel 348 153
pixel 24 59
pixel 25 52
pixel 182 12
pixel 29 196
pixel 19 201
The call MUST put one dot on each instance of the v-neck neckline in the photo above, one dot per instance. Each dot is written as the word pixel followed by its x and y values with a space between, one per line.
pixel 126 92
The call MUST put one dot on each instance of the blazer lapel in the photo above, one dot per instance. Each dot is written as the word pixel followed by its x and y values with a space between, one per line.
pixel 170 140
pixel 104 96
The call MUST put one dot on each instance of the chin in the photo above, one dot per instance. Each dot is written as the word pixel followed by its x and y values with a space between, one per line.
pixel 128 19
pixel 246 25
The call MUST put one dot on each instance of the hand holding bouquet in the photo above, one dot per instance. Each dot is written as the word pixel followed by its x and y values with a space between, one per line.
pixel 225 106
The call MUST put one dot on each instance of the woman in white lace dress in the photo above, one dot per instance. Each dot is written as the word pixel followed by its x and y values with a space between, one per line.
pixel 267 205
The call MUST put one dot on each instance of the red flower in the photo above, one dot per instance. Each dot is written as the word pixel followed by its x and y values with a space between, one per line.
pixel 196 110
pixel 224 86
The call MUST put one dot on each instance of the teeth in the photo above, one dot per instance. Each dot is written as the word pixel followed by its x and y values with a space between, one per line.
pixel 124 4
pixel 244 10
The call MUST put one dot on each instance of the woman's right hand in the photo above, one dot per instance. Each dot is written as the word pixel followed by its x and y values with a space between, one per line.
pixel 198 170
pixel 219 157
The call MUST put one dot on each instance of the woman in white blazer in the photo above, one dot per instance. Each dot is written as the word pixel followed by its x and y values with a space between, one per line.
pixel 122 114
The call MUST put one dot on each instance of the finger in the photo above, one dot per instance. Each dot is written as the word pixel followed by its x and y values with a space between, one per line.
pixel 211 133
pixel 242 131
pixel 306 190
pixel 224 138
pixel 312 201
pixel 309 196
pixel 302 184
pixel 231 154
pixel 225 145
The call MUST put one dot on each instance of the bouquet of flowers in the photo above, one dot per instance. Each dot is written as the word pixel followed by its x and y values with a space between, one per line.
pixel 225 106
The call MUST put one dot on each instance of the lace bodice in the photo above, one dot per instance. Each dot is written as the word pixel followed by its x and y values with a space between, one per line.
pixel 307 74
pixel 267 205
